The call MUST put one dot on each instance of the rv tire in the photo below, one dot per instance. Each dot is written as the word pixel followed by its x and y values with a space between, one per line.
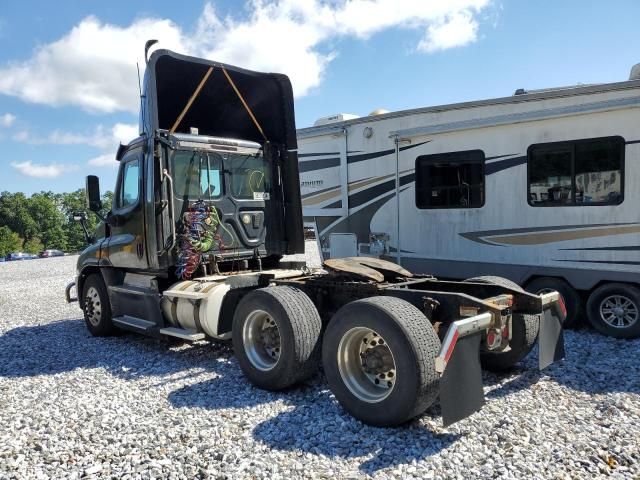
pixel 524 332
pixel 378 356
pixel 614 310
pixel 276 337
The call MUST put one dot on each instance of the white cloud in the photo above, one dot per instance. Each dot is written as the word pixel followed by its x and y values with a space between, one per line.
pixel 21 136
pixel 51 170
pixel 93 66
pixel 7 120
pixel 105 139
pixel 104 160
pixel 455 31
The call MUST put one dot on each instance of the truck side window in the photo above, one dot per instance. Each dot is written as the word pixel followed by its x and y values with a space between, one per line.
pixel 450 180
pixel 580 172
pixel 130 184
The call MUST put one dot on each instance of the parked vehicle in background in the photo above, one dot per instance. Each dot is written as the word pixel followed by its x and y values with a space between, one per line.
pixel 14 256
pixel 540 187
pixel 51 253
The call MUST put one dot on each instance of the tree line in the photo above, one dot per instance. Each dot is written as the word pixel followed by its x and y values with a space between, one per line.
pixel 45 221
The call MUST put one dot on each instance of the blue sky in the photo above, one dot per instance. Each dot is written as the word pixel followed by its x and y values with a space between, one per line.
pixel 68 82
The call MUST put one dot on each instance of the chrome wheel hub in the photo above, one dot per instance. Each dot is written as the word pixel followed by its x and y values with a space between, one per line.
pixel 366 364
pixel 619 311
pixel 92 306
pixel 261 340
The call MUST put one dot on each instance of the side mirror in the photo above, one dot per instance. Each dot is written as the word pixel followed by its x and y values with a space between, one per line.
pixel 94 203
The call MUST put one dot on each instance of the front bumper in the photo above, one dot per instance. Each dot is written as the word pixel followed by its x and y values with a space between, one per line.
pixel 67 293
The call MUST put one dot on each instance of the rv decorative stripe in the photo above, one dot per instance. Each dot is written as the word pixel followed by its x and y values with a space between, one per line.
pixel 551 234
pixel 312 165
pixel 629 248
pixel 496 167
pixel 609 262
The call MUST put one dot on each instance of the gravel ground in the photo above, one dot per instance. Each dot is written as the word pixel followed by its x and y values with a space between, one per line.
pixel 74 406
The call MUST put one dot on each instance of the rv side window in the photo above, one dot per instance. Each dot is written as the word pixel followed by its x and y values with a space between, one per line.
pixel 583 172
pixel 450 180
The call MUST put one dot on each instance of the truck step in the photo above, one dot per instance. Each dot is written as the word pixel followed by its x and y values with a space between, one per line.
pixel 137 324
pixel 183 333
pixel 130 290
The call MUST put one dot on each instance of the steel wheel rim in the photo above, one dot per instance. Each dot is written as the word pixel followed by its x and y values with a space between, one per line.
pixel 366 364
pixel 92 306
pixel 619 311
pixel 261 340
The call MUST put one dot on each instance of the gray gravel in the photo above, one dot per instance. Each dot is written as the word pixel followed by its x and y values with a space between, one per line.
pixel 73 406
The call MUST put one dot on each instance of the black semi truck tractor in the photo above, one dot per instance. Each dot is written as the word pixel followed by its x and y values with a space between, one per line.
pixel 207 203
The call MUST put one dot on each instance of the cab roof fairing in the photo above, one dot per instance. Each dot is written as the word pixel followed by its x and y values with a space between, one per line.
pixel 171 78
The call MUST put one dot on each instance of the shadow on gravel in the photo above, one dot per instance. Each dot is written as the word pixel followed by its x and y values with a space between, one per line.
pixel 66 345
pixel 316 424
pixel 321 427
pixel 594 364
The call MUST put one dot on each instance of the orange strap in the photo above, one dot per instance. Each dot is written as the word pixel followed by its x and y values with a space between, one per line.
pixel 191 100
pixel 244 103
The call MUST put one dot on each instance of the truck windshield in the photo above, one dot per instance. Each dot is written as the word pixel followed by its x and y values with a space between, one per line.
pixel 249 176
pixel 196 175
pixel 200 175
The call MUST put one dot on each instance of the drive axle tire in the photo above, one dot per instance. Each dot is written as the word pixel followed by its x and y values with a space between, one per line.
pixel 570 297
pixel 614 310
pixel 379 355
pixel 276 337
pixel 97 307
pixel 524 332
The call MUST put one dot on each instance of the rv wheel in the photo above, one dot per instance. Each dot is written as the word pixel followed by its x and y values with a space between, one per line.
pixel 378 356
pixel 524 332
pixel 97 307
pixel 567 292
pixel 614 309
pixel 276 337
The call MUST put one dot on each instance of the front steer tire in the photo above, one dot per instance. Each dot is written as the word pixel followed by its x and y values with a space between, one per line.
pixel 97 307
pixel 524 332
pixel 289 312
pixel 413 344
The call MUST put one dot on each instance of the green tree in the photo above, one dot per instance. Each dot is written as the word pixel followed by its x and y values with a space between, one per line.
pixel 15 214
pixel 49 220
pixel 33 245
pixel 9 241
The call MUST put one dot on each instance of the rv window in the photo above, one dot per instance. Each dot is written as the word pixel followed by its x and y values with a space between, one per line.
pixel 450 180
pixel 584 172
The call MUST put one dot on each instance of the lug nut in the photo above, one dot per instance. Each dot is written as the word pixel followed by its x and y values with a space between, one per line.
pixel 389 384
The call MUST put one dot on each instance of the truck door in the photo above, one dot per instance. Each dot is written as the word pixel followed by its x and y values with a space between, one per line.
pixel 126 247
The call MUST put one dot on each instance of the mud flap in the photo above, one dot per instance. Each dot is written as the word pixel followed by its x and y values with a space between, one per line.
pixel 461 392
pixel 551 337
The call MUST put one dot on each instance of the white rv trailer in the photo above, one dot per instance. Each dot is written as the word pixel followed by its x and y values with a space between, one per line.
pixel 541 187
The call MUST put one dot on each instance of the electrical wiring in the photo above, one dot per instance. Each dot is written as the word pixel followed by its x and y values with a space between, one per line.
pixel 200 224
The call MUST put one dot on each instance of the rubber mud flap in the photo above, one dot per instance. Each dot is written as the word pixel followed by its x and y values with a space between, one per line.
pixel 461 392
pixel 550 338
